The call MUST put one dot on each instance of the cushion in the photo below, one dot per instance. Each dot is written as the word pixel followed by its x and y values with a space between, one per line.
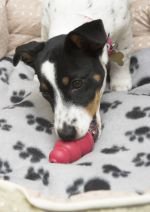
pixel 24 22
pixel 3 29
pixel 141 24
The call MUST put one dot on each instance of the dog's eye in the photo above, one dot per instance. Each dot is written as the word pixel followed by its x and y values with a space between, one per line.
pixel 76 84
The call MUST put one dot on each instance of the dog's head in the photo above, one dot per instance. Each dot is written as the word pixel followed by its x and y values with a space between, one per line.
pixel 71 75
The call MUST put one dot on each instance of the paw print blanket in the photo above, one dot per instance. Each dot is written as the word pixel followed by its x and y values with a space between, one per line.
pixel 120 160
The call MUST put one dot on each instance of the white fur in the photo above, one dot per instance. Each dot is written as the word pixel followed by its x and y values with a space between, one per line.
pixel 65 112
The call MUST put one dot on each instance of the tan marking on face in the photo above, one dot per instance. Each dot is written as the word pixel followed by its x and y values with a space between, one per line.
pixel 65 80
pixel 97 77
pixel 94 104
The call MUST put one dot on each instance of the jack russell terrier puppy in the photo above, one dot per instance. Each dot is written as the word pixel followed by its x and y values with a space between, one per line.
pixel 71 64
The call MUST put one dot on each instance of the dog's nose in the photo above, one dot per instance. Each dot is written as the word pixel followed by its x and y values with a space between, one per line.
pixel 68 132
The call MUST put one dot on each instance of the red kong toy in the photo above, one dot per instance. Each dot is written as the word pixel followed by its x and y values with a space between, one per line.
pixel 70 151
pixel 67 152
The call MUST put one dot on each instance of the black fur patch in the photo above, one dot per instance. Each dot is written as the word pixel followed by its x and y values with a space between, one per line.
pixel 77 59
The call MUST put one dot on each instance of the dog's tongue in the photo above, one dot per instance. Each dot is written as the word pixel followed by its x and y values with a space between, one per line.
pixel 94 129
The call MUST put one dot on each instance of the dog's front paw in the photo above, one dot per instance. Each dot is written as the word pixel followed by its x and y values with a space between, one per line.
pixel 121 84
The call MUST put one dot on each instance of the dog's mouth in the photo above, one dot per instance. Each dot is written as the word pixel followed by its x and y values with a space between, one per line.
pixel 93 129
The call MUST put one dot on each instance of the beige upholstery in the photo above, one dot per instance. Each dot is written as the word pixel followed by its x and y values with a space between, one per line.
pixel 24 22
pixel 141 23
pixel 4 37
pixel 20 23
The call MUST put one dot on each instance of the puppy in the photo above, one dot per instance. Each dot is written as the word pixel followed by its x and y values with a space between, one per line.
pixel 71 65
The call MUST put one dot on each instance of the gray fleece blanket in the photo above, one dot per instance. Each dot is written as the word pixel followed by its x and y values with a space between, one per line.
pixel 120 160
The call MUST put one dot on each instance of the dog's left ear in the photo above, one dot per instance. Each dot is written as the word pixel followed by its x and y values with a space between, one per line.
pixel 28 52
pixel 90 37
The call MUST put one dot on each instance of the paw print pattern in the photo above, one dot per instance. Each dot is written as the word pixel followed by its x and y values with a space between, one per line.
pixel 5 169
pixel 105 106
pixel 33 153
pixel 85 164
pixel 139 134
pixel 23 76
pixel 96 184
pixel 144 81
pixel 114 149
pixel 91 185
pixel 134 65
pixel 74 189
pixel 25 103
pixel 40 174
pixel 4 75
pixel 137 113
pixel 17 96
pixel 41 123
pixel 115 171
pixel 4 125
pixel 142 159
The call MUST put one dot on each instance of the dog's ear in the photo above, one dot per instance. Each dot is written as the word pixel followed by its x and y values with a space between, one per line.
pixel 90 37
pixel 27 53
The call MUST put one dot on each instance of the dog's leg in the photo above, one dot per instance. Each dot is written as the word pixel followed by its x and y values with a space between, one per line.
pixel 120 78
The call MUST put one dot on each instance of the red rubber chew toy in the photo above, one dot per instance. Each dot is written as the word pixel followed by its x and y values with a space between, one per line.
pixel 67 152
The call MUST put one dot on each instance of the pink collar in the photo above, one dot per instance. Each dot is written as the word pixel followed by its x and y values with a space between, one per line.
pixel 109 45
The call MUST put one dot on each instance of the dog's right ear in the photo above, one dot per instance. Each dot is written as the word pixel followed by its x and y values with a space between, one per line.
pixel 28 52
pixel 89 37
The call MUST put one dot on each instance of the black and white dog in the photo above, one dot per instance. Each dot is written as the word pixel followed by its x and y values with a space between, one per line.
pixel 71 64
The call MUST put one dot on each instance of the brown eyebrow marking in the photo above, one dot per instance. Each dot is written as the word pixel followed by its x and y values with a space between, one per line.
pixel 97 77
pixel 94 104
pixel 65 80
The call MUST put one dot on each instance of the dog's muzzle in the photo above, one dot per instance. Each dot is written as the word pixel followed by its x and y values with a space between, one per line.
pixel 69 132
